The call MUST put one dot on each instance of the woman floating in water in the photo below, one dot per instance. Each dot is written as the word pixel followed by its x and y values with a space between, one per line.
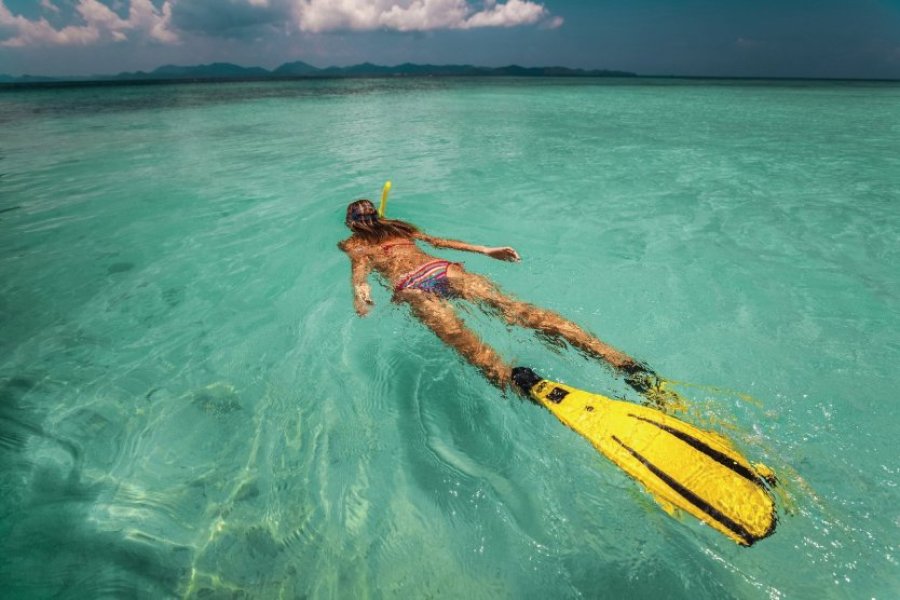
pixel 426 283
pixel 682 466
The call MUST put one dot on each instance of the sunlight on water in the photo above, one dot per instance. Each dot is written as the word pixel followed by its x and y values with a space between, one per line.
pixel 189 407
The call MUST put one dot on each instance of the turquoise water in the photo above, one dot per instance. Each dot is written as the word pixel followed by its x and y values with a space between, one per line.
pixel 190 407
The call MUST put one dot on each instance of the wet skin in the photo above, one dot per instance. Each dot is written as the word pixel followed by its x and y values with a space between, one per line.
pixel 398 257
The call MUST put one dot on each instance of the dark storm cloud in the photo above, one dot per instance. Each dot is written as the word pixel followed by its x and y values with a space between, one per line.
pixel 227 18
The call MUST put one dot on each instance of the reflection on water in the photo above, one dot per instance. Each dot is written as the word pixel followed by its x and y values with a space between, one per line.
pixel 188 406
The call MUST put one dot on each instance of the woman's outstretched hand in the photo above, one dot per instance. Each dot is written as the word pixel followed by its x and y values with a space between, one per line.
pixel 503 253
pixel 362 302
pixel 362 307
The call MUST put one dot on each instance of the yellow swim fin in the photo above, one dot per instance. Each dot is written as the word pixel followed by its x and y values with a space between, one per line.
pixel 681 465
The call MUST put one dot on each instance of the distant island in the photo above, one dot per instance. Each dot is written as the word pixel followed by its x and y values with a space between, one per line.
pixel 301 70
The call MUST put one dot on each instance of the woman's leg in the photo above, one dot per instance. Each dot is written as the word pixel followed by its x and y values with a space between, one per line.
pixel 480 289
pixel 440 317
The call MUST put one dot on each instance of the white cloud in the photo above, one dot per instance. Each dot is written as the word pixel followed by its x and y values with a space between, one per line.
pixel 99 23
pixel 414 15
pixel 554 23
pixel 49 6
pixel 143 16
pixel 510 14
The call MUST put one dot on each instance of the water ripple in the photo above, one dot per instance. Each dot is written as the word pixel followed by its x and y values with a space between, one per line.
pixel 189 406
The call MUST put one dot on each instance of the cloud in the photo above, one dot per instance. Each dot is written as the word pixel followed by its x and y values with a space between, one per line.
pixel 95 22
pixel 413 15
pixel 511 14
pixel 553 23
pixel 228 18
pixel 47 5
pixel 98 23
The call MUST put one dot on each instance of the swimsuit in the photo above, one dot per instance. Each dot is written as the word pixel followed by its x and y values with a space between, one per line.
pixel 430 277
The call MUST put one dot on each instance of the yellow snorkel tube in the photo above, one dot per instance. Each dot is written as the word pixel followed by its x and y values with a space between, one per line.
pixel 384 197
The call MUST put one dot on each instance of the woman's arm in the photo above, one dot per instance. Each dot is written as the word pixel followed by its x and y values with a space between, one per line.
pixel 360 267
pixel 498 252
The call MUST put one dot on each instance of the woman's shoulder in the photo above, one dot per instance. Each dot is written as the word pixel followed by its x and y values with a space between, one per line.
pixel 353 245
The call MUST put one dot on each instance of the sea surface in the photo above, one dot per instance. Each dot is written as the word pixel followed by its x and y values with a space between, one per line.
pixel 189 406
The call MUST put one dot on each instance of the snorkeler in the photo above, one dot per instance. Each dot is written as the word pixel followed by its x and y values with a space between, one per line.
pixel 682 466
pixel 426 283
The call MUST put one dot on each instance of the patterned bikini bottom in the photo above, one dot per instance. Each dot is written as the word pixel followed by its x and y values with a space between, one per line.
pixel 430 277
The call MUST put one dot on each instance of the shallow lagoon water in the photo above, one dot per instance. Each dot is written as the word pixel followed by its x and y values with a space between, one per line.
pixel 189 406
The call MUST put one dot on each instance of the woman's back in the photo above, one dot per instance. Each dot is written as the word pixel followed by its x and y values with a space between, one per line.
pixel 392 258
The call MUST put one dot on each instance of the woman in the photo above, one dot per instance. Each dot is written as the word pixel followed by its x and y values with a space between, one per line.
pixel 426 283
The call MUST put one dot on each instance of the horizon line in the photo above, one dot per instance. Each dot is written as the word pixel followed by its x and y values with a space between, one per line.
pixel 272 75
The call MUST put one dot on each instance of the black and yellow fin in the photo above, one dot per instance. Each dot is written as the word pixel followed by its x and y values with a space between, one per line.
pixel 683 466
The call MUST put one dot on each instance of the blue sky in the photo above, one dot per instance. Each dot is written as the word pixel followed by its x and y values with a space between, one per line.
pixel 778 38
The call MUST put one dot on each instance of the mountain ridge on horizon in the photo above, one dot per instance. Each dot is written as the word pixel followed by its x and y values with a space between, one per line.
pixel 300 69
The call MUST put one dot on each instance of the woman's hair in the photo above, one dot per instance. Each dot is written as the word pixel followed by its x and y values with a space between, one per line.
pixel 364 222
